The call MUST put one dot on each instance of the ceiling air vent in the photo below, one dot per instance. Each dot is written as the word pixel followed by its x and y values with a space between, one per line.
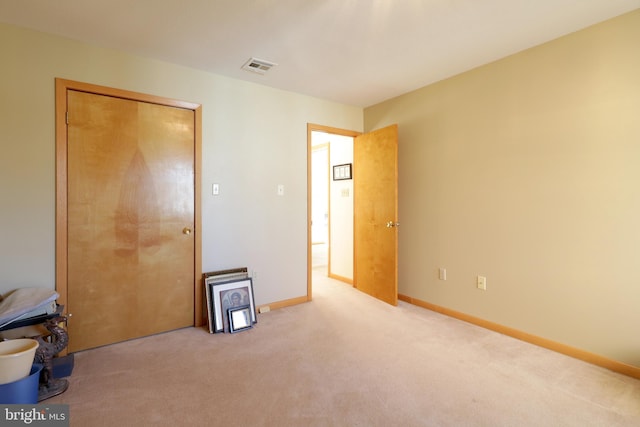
pixel 259 66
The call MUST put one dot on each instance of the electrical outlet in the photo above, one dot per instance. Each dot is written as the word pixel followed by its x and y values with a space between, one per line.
pixel 482 283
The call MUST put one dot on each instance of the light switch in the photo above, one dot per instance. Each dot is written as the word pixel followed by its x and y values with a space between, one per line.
pixel 280 190
pixel 216 189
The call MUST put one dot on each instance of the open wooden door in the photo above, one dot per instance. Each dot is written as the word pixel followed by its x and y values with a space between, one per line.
pixel 130 217
pixel 375 180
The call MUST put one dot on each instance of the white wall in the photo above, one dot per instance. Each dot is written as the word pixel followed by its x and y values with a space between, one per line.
pixel 341 194
pixel 254 138
pixel 320 194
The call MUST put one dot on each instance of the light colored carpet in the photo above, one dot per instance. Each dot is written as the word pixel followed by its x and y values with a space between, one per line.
pixel 320 256
pixel 344 359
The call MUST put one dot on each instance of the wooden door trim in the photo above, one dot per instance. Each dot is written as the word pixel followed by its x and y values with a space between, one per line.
pixel 61 88
pixel 319 128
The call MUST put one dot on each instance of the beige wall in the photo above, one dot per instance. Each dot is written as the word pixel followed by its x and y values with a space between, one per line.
pixel 254 138
pixel 527 171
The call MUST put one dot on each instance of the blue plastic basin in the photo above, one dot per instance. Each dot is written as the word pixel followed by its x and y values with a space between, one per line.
pixel 23 391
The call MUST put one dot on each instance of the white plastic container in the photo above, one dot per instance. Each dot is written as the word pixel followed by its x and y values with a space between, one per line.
pixel 16 358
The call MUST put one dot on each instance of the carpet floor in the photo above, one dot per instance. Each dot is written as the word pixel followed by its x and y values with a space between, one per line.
pixel 344 359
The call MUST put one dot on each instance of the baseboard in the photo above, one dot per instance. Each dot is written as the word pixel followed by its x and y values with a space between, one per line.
pixel 285 303
pixel 341 278
pixel 576 353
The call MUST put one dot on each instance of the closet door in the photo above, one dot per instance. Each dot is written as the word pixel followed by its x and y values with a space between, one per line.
pixel 130 219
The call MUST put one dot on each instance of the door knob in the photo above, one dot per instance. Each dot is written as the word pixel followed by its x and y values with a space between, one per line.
pixel 392 224
pixel 186 230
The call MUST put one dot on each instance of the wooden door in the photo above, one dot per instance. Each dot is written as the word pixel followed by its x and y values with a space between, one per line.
pixel 130 216
pixel 375 180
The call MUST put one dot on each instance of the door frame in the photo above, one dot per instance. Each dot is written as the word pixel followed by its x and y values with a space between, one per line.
pixel 61 88
pixel 328 129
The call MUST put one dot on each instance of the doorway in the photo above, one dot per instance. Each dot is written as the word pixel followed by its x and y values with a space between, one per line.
pixel 363 209
pixel 127 213
pixel 330 203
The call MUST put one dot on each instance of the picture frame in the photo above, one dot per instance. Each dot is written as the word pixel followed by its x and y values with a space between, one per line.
pixel 341 172
pixel 239 318
pixel 219 276
pixel 230 294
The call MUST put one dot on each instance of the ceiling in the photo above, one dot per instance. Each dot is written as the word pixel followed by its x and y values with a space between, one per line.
pixel 357 52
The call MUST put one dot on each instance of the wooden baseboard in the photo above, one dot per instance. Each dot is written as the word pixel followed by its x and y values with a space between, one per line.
pixel 341 278
pixel 285 303
pixel 576 353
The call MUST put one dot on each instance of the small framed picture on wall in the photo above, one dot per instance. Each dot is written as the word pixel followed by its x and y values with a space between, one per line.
pixel 341 172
